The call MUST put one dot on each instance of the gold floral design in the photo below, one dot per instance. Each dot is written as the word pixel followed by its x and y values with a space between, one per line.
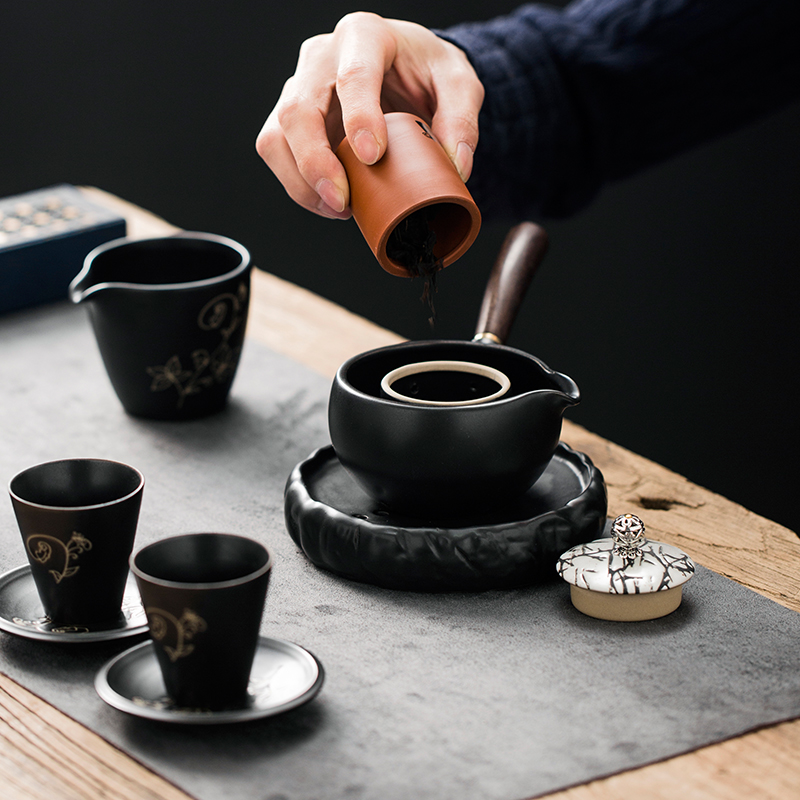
pixel 46 624
pixel 44 548
pixel 184 630
pixel 207 368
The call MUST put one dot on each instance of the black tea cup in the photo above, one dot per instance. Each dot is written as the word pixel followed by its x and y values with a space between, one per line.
pixel 204 595
pixel 78 520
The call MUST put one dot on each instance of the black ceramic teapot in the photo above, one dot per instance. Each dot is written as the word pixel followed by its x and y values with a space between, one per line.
pixel 455 459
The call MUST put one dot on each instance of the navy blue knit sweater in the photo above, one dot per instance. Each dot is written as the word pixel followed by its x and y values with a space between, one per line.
pixel 599 90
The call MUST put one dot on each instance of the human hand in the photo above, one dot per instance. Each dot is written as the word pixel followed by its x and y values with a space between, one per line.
pixel 344 83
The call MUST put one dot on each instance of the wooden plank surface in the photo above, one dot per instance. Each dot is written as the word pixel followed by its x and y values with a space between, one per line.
pixel 716 532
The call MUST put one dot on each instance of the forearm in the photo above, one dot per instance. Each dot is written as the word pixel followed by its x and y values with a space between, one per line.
pixel 580 97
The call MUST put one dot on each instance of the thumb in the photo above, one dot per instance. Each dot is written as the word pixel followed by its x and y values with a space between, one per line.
pixel 455 122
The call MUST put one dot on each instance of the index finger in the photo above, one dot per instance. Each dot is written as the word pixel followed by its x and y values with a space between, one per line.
pixel 366 52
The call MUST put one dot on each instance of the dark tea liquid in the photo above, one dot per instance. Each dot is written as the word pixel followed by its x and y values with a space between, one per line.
pixel 445 386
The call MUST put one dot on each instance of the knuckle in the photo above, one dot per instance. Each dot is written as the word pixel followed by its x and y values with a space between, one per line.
pixel 313 45
pixel 267 141
pixel 289 108
pixel 351 72
pixel 469 124
pixel 307 166
pixel 465 75
pixel 355 19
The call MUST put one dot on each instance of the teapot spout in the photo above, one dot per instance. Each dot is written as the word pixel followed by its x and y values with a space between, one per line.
pixel 565 392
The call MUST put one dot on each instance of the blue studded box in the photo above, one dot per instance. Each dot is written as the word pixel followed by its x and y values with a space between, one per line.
pixel 44 237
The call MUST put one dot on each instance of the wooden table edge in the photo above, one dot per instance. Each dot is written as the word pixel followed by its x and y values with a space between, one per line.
pixel 755 552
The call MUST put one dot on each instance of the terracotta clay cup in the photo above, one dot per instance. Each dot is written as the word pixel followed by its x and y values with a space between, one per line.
pixel 414 180
pixel 78 519
pixel 204 595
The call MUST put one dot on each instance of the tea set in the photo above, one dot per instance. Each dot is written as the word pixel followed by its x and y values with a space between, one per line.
pixel 445 472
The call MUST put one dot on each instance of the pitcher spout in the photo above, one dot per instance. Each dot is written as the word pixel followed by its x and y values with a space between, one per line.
pixel 86 284
pixel 85 287
pixel 80 285
pixel 567 394
pixel 552 390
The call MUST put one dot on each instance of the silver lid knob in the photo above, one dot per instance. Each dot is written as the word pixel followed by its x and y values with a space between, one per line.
pixel 629 539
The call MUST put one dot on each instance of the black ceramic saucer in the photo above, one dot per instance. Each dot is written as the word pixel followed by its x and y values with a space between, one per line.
pixel 21 613
pixel 284 676
pixel 341 529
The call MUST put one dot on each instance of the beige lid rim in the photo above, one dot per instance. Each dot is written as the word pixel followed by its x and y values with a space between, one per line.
pixel 504 384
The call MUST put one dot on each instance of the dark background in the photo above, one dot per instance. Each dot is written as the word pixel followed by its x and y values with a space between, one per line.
pixel 671 300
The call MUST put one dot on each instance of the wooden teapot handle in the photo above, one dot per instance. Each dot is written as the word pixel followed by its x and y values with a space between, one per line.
pixel 522 252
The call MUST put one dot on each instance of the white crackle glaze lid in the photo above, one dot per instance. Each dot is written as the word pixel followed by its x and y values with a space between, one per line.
pixel 628 563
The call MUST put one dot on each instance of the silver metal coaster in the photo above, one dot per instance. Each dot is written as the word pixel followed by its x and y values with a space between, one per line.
pixel 21 613
pixel 284 676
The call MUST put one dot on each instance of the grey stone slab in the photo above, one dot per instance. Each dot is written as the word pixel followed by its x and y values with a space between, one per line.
pixel 492 695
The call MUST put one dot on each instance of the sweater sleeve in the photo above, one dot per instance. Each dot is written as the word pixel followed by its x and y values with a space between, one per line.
pixel 602 89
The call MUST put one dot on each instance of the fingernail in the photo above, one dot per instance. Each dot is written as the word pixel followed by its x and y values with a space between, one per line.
pixel 326 211
pixel 463 160
pixel 331 195
pixel 366 147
